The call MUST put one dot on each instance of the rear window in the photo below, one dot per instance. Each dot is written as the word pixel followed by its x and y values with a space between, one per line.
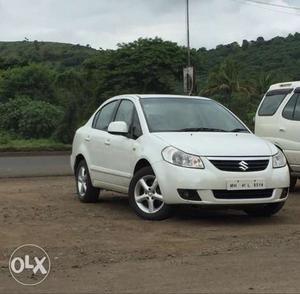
pixel 271 104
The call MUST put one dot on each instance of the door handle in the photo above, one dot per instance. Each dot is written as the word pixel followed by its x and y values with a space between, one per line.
pixel 88 138
pixel 281 129
pixel 107 142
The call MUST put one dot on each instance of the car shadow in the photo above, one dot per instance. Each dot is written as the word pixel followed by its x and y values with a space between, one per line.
pixel 297 188
pixel 220 216
pixel 118 204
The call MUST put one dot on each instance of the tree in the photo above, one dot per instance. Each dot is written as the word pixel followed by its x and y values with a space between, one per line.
pixel 29 118
pixel 263 81
pixel 245 44
pixel 39 119
pixel 143 66
pixel 78 78
pixel 224 81
pixel 75 97
pixel 35 81
pixel 11 113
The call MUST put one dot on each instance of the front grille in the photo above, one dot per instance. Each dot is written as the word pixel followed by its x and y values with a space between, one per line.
pixel 241 165
pixel 243 194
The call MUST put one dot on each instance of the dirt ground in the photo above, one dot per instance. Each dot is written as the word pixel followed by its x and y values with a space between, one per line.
pixel 105 248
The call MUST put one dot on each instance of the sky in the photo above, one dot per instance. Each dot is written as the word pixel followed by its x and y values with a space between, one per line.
pixel 104 23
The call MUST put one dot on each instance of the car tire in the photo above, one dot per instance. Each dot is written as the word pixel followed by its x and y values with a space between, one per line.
pixel 145 197
pixel 264 210
pixel 85 190
pixel 293 182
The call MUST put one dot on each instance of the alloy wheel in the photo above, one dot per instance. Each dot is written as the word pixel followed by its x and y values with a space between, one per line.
pixel 147 194
pixel 82 181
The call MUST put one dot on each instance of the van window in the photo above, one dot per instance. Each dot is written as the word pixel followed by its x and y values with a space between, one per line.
pixel 271 104
pixel 292 108
pixel 288 111
pixel 297 109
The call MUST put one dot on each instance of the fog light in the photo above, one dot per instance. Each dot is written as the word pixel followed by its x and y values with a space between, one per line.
pixel 284 193
pixel 188 194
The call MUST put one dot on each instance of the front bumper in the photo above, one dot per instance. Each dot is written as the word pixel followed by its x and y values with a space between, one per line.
pixel 205 181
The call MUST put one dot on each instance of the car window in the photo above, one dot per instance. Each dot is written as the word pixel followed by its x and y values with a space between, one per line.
pixel 125 112
pixel 105 116
pixel 288 111
pixel 297 109
pixel 271 104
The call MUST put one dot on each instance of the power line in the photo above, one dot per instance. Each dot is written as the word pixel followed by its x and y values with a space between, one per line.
pixel 273 4
pixel 254 3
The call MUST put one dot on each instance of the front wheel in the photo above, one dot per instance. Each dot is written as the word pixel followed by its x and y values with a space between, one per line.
pixel 145 196
pixel 264 210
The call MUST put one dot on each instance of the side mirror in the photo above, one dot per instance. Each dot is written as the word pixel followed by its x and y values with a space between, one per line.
pixel 118 128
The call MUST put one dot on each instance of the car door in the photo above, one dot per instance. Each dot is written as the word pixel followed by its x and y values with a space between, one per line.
pixel 122 148
pixel 97 143
pixel 290 130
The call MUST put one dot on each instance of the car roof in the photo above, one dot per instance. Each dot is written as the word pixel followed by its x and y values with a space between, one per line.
pixel 167 96
pixel 285 85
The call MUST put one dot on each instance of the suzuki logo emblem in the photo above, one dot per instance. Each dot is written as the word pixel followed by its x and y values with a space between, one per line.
pixel 243 165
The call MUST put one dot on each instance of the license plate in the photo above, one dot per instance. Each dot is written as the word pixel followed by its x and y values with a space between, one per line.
pixel 245 184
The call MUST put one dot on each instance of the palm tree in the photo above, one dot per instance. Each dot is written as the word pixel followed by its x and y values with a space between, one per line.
pixel 225 81
pixel 262 82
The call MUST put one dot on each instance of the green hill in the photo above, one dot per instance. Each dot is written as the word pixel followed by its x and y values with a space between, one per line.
pixel 278 55
pixel 65 83
pixel 54 54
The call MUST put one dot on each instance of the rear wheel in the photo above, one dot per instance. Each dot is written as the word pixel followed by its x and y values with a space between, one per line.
pixel 145 196
pixel 85 190
pixel 264 210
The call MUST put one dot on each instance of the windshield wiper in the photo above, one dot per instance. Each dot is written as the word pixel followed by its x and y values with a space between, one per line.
pixel 239 130
pixel 200 130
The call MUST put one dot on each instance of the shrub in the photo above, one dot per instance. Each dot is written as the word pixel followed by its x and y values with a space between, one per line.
pixel 39 120
pixel 28 118
pixel 11 113
pixel 5 138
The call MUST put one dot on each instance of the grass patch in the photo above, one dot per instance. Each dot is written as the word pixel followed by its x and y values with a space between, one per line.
pixel 22 145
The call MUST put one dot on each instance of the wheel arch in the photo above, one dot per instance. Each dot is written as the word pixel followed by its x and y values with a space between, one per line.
pixel 79 157
pixel 141 164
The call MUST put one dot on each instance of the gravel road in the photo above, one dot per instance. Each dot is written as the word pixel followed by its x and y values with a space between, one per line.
pixel 105 248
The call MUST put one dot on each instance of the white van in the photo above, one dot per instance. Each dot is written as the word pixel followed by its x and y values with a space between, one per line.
pixel 278 120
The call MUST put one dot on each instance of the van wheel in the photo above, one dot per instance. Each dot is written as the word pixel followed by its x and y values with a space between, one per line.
pixel 293 182
pixel 264 210
pixel 145 196
pixel 85 190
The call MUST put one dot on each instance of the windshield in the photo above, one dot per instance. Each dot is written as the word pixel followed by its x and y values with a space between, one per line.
pixel 188 115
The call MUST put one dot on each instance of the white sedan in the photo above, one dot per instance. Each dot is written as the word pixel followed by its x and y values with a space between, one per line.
pixel 164 150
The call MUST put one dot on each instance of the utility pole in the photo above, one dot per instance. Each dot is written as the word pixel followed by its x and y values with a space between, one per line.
pixel 188 71
pixel 188 31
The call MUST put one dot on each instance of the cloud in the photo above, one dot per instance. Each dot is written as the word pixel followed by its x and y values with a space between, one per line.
pixel 103 23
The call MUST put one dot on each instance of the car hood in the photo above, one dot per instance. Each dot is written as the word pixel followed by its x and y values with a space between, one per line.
pixel 219 144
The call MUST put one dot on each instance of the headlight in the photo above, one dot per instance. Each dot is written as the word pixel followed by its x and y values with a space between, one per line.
pixel 279 160
pixel 180 158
